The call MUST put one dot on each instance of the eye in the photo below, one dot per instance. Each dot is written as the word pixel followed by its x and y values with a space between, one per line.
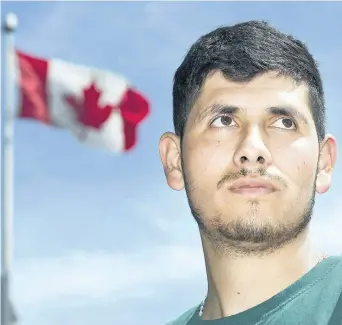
pixel 223 121
pixel 285 123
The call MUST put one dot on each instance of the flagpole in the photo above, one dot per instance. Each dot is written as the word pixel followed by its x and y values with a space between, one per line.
pixel 7 317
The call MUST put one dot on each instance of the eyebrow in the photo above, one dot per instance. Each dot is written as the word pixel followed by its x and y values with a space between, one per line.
pixel 289 112
pixel 217 109
pixel 222 109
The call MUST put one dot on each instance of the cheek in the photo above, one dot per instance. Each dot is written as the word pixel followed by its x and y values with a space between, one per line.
pixel 208 157
pixel 298 161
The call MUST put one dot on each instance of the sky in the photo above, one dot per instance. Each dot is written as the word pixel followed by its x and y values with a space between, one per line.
pixel 101 239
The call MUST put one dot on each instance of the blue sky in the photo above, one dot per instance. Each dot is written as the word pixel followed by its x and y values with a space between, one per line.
pixel 102 239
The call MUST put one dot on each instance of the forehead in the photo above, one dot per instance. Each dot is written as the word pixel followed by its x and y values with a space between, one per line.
pixel 255 96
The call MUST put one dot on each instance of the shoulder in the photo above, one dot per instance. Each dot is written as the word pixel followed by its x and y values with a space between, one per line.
pixel 336 317
pixel 336 264
pixel 184 318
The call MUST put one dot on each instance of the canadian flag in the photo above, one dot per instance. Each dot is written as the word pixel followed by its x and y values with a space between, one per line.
pixel 99 107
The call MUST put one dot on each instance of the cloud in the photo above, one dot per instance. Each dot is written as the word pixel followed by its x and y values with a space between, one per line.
pixel 84 276
pixel 326 229
pixel 34 34
pixel 149 32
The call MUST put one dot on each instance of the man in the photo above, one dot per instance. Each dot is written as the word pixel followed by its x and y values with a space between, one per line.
pixel 250 149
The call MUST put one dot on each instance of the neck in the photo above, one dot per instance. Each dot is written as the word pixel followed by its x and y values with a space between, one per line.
pixel 237 283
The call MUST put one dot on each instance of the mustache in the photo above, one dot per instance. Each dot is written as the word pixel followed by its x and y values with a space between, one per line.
pixel 244 172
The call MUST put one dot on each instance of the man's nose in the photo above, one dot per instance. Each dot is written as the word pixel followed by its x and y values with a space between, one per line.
pixel 252 152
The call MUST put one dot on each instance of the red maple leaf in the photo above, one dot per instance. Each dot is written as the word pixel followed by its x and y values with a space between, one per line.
pixel 87 109
pixel 133 107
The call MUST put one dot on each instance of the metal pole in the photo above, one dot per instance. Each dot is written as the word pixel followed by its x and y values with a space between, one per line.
pixel 7 316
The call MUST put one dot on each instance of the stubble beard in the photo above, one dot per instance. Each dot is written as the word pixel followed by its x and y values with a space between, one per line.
pixel 246 235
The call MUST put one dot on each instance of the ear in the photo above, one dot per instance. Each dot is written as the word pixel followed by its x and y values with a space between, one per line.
pixel 170 154
pixel 326 163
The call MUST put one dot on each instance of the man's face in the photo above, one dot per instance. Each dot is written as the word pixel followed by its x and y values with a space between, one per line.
pixel 249 161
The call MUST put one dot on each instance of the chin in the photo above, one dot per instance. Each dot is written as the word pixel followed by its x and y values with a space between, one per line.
pixel 251 206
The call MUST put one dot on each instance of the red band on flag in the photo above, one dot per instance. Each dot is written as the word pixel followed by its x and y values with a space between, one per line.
pixel 32 82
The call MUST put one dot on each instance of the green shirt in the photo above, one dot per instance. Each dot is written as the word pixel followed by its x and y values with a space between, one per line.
pixel 314 299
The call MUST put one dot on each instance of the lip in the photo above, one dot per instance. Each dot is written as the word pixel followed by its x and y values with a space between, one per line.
pixel 252 187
